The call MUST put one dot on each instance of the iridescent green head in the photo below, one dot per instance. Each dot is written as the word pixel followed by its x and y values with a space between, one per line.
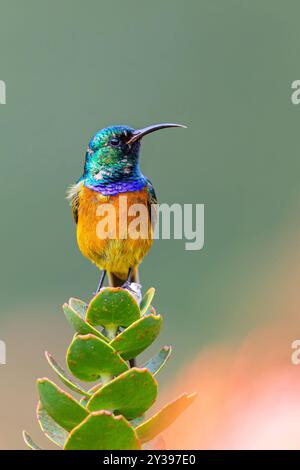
pixel 112 159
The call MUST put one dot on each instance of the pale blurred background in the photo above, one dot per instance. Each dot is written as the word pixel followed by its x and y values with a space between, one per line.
pixel 223 68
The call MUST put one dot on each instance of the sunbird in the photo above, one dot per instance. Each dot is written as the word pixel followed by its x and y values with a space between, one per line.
pixel 111 170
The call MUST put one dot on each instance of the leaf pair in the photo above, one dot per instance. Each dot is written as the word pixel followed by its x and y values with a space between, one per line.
pixel 102 430
pixel 114 308
pixel 98 431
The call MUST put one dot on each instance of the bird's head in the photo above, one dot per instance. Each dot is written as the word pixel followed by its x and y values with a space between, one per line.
pixel 112 158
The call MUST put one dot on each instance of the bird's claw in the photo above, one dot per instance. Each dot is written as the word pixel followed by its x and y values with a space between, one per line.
pixel 135 290
pixel 96 292
pixel 126 285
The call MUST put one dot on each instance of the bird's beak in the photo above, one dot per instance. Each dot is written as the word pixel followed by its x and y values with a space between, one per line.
pixel 139 133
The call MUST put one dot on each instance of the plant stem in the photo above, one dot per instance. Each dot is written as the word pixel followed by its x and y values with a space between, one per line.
pixel 111 332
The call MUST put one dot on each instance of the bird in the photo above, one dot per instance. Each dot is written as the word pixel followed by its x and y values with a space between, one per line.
pixel 111 173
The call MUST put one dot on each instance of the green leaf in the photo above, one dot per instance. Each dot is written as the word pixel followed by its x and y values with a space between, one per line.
pixel 146 300
pixel 64 376
pixel 130 394
pixel 61 406
pixel 137 337
pixel 84 401
pixel 113 307
pixel 164 418
pixel 103 431
pixel 78 306
pixel 157 362
pixel 95 388
pixel 151 311
pixel 31 444
pixel 50 428
pixel 89 358
pixel 80 325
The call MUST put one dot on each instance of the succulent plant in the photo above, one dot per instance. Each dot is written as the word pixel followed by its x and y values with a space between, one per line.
pixel 109 332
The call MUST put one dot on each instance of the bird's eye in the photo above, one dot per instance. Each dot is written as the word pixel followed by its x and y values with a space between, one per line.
pixel 114 142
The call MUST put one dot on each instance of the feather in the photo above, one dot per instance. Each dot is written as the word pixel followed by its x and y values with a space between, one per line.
pixel 73 197
pixel 152 204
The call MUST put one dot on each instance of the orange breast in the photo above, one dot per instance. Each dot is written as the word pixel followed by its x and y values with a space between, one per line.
pixel 114 232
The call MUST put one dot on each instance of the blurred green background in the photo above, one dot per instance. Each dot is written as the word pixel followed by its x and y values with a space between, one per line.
pixel 225 69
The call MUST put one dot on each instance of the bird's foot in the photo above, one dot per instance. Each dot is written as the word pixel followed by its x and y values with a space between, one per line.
pixel 95 293
pixel 103 274
pixel 135 290
pixel 126 285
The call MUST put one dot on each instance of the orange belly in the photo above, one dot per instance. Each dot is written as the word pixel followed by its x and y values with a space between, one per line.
pixel 112 231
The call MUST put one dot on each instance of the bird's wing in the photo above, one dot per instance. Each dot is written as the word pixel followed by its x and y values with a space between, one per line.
pixel 73 197
pixel 152 204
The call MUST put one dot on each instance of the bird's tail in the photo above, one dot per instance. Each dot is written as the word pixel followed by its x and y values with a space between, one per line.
pixel 115 281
